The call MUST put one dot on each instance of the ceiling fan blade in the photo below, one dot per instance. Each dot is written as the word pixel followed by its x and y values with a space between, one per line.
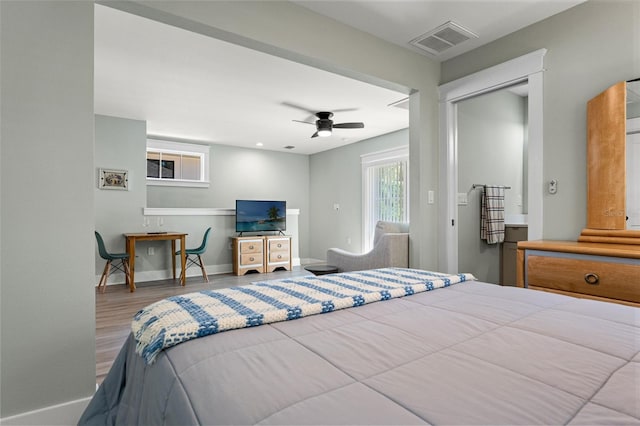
pixel 349 126
pixel 305 122
pixel 300 107
pixel 344 110
pixel 315 135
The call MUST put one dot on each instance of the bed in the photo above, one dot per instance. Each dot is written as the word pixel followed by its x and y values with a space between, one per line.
pixel 415 348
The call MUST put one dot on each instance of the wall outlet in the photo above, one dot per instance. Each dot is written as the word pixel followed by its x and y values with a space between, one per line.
pixel 230 246
pixel 151 251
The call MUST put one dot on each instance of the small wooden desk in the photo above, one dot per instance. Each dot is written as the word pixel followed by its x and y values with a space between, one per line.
pixel 150 236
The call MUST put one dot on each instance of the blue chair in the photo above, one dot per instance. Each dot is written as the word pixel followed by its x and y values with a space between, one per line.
pixel 110 257
pixel 193 256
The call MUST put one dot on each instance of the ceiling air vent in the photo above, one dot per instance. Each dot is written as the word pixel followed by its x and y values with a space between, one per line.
pixel 289 147
pixel 442 38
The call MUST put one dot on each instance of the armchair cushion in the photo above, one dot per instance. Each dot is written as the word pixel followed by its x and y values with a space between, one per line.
pixel 390 249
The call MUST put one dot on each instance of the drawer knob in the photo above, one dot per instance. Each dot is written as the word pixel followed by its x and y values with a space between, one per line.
pixel 251 247
pixel 279 256
pixel 591 278
pixel 251 259
pixel 279 245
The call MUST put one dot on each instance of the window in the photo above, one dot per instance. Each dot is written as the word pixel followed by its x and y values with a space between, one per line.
pixel 385 186
pixel 177 164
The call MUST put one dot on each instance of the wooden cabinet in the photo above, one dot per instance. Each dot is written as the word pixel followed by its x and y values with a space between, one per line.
pixel 261 254
pixel 606 146
pixel 278 253
pixel 605 261
pixel 590 270
pixel 248 255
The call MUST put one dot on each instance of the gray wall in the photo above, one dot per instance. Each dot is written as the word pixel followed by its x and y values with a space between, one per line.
pixel 590 47
pixel 490 151
pixel 235 173
pixel 241 173
pixel 47 313
pixel 119 144
pixel 336 178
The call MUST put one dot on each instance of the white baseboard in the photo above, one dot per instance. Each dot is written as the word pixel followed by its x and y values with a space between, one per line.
pixel 67 413
pixel 118 277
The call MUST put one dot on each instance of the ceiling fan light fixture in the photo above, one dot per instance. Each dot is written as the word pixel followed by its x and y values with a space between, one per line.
pixel 323 125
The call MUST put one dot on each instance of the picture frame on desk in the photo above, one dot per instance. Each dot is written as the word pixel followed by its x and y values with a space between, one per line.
pixel 113 179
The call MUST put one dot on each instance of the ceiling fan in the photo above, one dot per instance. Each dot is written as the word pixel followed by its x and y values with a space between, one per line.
pixel 324 124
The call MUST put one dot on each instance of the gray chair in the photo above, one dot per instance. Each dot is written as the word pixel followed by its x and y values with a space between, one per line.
pixel 390 249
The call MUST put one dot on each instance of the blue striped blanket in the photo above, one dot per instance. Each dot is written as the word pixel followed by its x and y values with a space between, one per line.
pixel 178 319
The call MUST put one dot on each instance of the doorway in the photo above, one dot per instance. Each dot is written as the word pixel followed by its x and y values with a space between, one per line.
pixel 492 130
pixel 524 69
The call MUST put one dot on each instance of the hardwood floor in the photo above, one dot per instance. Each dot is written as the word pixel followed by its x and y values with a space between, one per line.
pixel 116 307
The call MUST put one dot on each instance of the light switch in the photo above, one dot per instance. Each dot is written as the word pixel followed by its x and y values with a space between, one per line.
pixel 463 199
pixel 431 197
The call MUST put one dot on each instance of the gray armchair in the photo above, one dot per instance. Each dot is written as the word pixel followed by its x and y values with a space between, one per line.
pixel 390 248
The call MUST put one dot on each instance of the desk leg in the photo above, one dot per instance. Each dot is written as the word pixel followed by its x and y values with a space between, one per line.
pixel 183 260
pixel 173 257
pixel 131 249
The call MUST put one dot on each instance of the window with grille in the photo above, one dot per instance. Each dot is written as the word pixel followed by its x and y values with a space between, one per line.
pixel 385 184
pixel 177 164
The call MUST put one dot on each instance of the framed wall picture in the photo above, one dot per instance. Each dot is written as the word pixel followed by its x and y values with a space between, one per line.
pixel 113 179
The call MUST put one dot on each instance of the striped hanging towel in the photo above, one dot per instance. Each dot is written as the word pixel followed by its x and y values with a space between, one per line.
pixel 492 214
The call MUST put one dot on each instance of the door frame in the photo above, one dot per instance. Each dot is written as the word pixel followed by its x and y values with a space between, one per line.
pixel 526 68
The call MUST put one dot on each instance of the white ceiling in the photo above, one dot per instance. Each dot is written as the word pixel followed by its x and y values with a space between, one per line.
pixel 192 87
pixel 400 21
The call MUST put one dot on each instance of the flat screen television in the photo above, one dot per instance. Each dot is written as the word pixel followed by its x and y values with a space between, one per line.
pixel 260 215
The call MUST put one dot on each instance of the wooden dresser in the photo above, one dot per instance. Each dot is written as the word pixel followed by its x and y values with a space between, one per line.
pixel 583 269
pixel 261 254
pixel 278 253
pixel 248 255
pixel 605 261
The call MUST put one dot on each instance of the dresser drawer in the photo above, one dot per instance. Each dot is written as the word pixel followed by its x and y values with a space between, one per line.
pixel 251 246
pixel 251 259
pixel 278 256
pixel 279 245
pixel 586 276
